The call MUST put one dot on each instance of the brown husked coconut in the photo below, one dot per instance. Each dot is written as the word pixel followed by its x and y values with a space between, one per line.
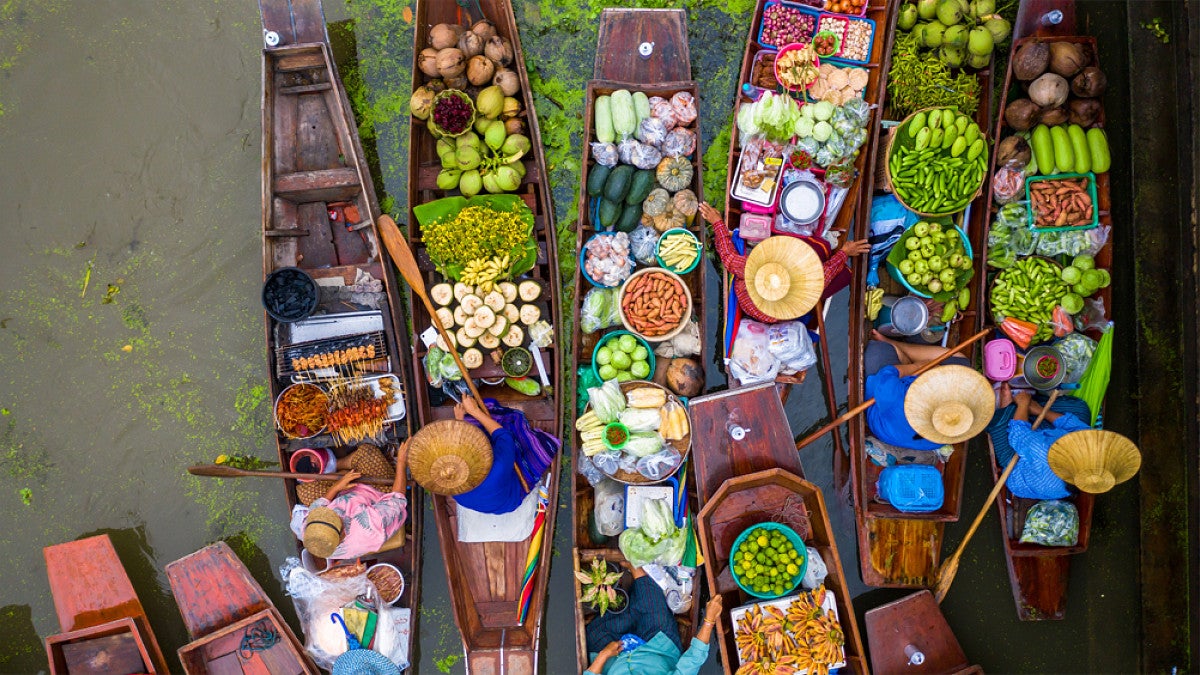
pixel 1031 60
pixel 480 70
pixel 427 62
pixel 1068 58
pixel 444 35
pixel 451 63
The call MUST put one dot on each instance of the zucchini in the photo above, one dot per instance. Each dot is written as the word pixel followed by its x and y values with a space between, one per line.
pixel 616 187
pixel 529 314
pixel 470 303
pixel 445 317
pixel 1079 145
pixel 640 186
pixel 514 337
pixel 624 119
pixel 524 385
pixel 495 301
pixel 609 213
pixel 602 111
pixel 641 106
pixel 472 358
pixel 1098 149
pixel 460 318
pixel 597 175
pixel 1043 149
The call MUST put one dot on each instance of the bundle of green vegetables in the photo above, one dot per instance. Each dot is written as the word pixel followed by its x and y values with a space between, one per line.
pixel 774 116
pixel 919 80
pixel 656 539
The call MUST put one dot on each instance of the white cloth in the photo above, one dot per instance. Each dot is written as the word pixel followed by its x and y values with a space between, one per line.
pixel 475 527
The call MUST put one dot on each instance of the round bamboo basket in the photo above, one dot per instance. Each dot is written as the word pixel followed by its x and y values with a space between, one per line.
pixel 900 134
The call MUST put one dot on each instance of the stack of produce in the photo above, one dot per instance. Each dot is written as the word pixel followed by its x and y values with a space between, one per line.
pixel 838 85
pixel 1063 84
pixel 935 263
pixel 919 80
pixel 963 33
pixel 830 133
pixel 1061 202
pixel 478 318
pixel 801 636
pixel 481 245
pixel 767 562
pixel 623 358
pixel 937 161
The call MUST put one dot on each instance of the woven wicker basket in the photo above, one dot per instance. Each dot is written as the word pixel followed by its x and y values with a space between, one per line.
pixel 887 156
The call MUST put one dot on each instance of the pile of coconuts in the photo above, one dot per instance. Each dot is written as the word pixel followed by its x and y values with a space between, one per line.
pixel 1062 82
pixel 964 33
pixel 467 59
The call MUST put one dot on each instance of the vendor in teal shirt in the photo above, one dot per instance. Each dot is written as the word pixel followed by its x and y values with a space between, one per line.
pixel 649 618
pixel 890 366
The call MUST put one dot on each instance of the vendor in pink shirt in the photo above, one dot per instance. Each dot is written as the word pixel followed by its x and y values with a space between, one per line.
pixel 353 520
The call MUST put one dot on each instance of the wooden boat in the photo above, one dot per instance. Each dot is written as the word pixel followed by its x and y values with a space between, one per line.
pixel 221 604
pixel 914 624
pixel 881 12
pixel 486 579
pixel 752 480
pixel 904 549
pixel 1039 574
pixel 664 73
pixel 102 623
pixel 314 166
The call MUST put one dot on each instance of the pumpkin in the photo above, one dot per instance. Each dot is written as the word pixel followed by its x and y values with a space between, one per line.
pixel 647 219
pixel 669 220
pixel 656 202
pixel 685 202
pixel 674 173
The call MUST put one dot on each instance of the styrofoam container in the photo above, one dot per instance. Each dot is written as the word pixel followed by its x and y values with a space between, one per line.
pixel 829 605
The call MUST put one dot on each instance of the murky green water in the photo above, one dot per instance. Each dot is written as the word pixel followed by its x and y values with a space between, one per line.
pixel 131 340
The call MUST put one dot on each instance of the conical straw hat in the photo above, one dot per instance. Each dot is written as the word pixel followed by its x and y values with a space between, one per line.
pixel 450 457
pixel 949 404
pixel 784 277
pixel 1094 460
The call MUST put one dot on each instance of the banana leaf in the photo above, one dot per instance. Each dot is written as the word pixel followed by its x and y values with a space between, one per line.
pixel 523 256
pixel 1094 383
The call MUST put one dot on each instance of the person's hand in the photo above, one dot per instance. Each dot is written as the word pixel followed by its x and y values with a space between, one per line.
pixel 611 649
pixel 471 407
pixel 347 479
pixel 1022 398
pixel 709 213
pixel 402 452
pixel 712 611
pixel 856 247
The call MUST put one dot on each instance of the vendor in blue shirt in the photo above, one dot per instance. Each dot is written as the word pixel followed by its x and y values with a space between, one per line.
pixel 502 491
pixel 889 365
pixel 1012 431
pixel 651 621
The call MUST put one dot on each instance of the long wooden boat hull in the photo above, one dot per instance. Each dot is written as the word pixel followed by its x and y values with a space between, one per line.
pixel 1038 574
pixel 486 579
pixel 744 482
pixel 103 625
pixel 903 550
pixel 914 623
pixel 313 162
pixel 221 602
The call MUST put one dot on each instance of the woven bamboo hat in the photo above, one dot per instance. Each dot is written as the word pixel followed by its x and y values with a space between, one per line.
pixel 322 531
pixel 949 404
pixel 1094 460
pixel 450 457
pixel 784 277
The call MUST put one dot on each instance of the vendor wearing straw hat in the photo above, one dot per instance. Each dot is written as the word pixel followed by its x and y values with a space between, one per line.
pixel 350 521
pixel 1011 432
pixel 946 405
pixel 784 276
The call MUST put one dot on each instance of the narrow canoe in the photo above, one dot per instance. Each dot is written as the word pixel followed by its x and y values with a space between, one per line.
pixel 487 579
pixel 102 623
pixel 666 72
pixel 221 603
pixel 756 479
pixel 904 549
pixel 313 165
pixel 898 631
pixel 1039 574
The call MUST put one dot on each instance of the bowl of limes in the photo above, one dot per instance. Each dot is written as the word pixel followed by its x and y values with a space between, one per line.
pixel 768 560
pixel 624 356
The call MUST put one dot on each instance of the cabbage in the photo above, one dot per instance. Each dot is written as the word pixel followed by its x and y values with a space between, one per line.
pixel 607 400
pixel 640 419
pixel 657 521
pixel 804 127
pixel 823 110
pixel 643 444
pixel 656 540
pixel 773 115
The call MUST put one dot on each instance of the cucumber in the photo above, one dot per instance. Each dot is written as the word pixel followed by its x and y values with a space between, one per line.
pixel 597 175
pixel 616 186
pixel 609 213
pixel 1079 145
pixel 640 186
pixel 604 123
pixel 1098 150
pixel 1064 157
pixel 1043 149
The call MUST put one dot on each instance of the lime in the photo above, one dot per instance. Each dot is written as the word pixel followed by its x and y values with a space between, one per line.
pixel 793 570
pixel 753 547
pixel 763 541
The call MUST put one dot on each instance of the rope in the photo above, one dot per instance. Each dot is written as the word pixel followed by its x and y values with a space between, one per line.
pixel 257 638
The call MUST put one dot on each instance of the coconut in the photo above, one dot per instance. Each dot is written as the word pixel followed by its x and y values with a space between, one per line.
pixel 927 9
pixel 490 102
pixel 499 49
pixel 949 12
pixel 979 61
pixel 980 42
pixel 1084 111
pixel 1022 114
pixel 451 63
pixel 908 17
pixel 1052 117
pixel 999 27
pixel 1067 58
pixel 444 35
pixel 1031 60
pixel 934 30
pixel 685 376
pixel 427 62
pixel 955 36
pixel 459 82
pixel 480 70
pixel 485 29
pixel 437 85
pixel 1013 149
pixel 508 81
pixel 1049 90
pixel 471 44
pixel 952 56
pixel 512 108
pixel 1089 83
pixel 515 125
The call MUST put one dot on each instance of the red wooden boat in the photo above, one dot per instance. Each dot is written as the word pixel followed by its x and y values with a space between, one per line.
pixel 911 635
pixel 104 628
pixel 1039 574
pixel 221 604
pixel 753 479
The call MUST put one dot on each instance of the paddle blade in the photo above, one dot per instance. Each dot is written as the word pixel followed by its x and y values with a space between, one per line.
pixel 215 471
pixel 397 247
pixel 946 575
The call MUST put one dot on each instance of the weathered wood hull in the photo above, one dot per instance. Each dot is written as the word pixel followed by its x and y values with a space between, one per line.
pixel 486 579
pixel 914 621
pixel 100 616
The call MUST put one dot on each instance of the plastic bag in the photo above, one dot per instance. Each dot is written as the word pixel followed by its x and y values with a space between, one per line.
pixel 642 242
pixel 1093 316
pixel 316 599
pixel 1076 350
pixel 607 400
pixel 588 469
pixel 751 359
pixel 643 444
pixel 606 259
pixel 585 379
pixel 1051 523
pixel 627 463
pixel 639 420
pixel 609 510
pixel 605 154
pixel 645 156
pixel 676 583
pixel 440 367
pixel 658 466
pixel 625 150
pixel 686 343
pixel 608 462
pixel 663 111
pixel 656 540
pixel 1008 185
pixel 817 570
pixel 856 110
pixel 651 131
pixel 679 142
pixel 1009 237
pixel 599 310
pixel 683 104
pixel 791 344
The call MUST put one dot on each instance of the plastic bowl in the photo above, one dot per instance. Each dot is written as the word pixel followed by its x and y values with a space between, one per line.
pixel 795 46
pixel 678 230
pixel 967 251
pixel 837 43
pixel 616 334
pixel 791 536
pixel 583 259
pixel 290 294
pixel 617 426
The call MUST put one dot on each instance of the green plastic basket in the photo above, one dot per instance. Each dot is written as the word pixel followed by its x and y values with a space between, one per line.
pixel 791 536
pixel 1031 216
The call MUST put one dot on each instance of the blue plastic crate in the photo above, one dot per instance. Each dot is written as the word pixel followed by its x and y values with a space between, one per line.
pixel 912 488
pixel 870 38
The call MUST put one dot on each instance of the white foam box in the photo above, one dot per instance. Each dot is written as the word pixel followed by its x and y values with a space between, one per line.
pixel 829 605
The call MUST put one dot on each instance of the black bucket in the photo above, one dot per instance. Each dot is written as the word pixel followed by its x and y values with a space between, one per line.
pixel 290 294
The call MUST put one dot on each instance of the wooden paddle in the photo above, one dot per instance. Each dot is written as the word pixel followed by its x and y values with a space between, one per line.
pixel 949 568
pixel 402 255
pixel 1045 409
pixel 804 442
pixel 221 471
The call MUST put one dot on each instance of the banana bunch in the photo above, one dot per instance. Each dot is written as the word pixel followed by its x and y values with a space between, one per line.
pixel 874 302
pixel 591 432
pixel 674 422
pixel 483 272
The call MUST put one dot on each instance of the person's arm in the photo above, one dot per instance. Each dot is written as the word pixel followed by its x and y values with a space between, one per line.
pixel 342 483
pixel 697 652
pixel 470 407
pixel 610 650
pixel 735 263
pixel 401 480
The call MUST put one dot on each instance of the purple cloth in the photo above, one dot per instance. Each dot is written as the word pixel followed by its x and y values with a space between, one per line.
pixel 521 456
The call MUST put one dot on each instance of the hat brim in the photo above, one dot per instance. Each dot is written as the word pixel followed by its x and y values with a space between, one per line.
pixel 949 384
pixel 805 282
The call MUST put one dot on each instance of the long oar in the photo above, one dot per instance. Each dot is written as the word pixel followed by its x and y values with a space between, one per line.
pixel 870 402
pixel 950 568
pixel 1045 409
pixel 221 471
pixel 402 255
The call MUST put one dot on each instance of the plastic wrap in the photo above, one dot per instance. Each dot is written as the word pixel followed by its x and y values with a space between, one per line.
pixel 643 241
pixel 608 463
pixel 1009 237
pixel 676 583
pixel 607 401
pixel 751 359
pixel 1051 523
pixel 684 106
pixel 663 111
pixel 659 465
pixel 585 379
pixel 856 110
pixel 816 572
pixel 599 310
pixel 791 344
pixel 643 444
pixel 686 343
pixel 679 142
pixel 652 131
pixel 607 259
pixel 645 156
pixel 1093 316
pixel 609 509
pixel 639 420
pixel 605 154
pixel 625 150
pixel 588 469
pixel 656 540
pixel 1008 185
pixel 1076 350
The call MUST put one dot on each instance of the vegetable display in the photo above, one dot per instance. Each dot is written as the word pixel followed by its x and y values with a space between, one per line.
pixel 802 635
pixel 678 250
pixel 831 133
pixel 1063 202
pixel 655 303
pixel 1069 149
pixel 1062 83
pixel 622 357
pixel 495 243
pixel 838 85
pixel 919 80
pixel 784 25
pixel 1029 290
pixel 479 317
pixel 797 68
pixel 657 427
pixel 938 161
pixel 656 539
pixel 964 34
pixel 934 262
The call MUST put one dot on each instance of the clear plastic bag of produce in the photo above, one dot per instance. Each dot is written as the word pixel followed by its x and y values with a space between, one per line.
pixel 587 468
pixel 656 540
pixel 1008 185
pixel 782 224
pixel 643 444
pixel 625 150
pixel 662 111
pixel 809 145
pixel 1076 350
pixel 856 111
pixel 639 420
pixel 817 570
pixel 1009 237
pixel 607 400
pixel 676 582
pixel 605 154
pixel 652 131
pixel 609 509
pixel 791 344
pixel 686 343
pixel 1051 523
pixel 607 259
pixel 440 367
pixel 1072 242
pixel 679 142
pixel 608 462
pixel 826 155
pixel 1093 316
pixel 645 156
pixel 643 241
pixel 683 104
pixel 659 465
pixel 599 310
pixel 628 463
pixel 751 359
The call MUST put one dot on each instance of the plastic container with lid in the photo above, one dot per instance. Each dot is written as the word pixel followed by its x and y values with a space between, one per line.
pixel 912 488
pixel 1000 360
pixel 754 226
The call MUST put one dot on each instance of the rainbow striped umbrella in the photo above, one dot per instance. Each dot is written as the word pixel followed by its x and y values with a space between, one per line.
pixel 535 551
